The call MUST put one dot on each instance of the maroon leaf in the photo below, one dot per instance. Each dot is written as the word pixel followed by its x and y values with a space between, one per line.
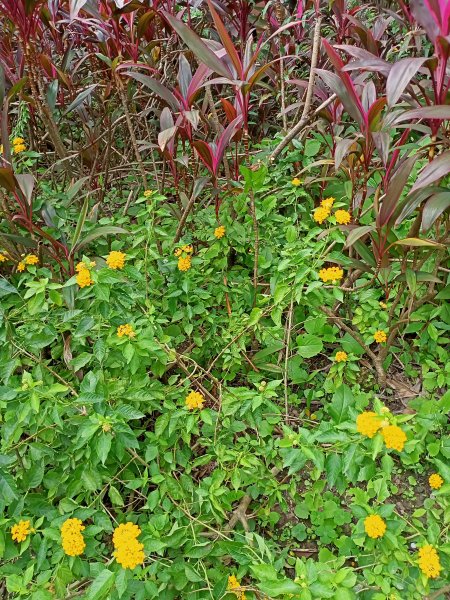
pixel 395 189
pixel 158 88
pixel 357 233
pixel 412 201
pixel 345 79
pixel 205 152
pixel 336 85
pixel 198 46
pixel 226 40
pixel 440 112
pixel 401 74
pixel 224 140
pixel 433 209
pixel 342 149
pixel 184 75
pixel 439 167
pixel 424 16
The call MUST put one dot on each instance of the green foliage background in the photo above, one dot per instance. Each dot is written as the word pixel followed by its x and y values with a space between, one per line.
pixel 94 426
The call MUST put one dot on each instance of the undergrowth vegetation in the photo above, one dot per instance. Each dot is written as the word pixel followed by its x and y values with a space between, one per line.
pixel 224 281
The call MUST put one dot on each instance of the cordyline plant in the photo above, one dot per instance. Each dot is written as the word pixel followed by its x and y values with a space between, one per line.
pixel 407 100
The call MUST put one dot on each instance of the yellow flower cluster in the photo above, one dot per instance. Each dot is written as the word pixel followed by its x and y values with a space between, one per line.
pixel 148 193
pixel 320 214
pixel 219 232
pixel 18 145
pixel 184 257
pixel 435 481
pixel 328 203
pixel 116 260
pixel 29 259
pixel 333 274
pixel 20 531
pixel 129 553
pixel 296 182
pixel 380 336
pixel 84 278
pixel 82 265
pixel 341 356
pixel 343 217
pixel 383 305
pixel 3 257
pixel 126 329
pixel 194 400
pixel 429 562
pixel 394 437
pixel 368 423
pixel 234 586
pixel 375 526
pixel 72 539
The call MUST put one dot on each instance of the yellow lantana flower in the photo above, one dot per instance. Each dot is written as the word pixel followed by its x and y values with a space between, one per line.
pixel 31 259
pixel 129 552
pixel 127 330
pixel 368 423
pixel 116 260
pixel 333 274
pixel 429 562
pixel 234 586
pixel 320 214
pixel 343 217
pixel 296 182
pixel 84 278
pixel 184 263
pixel 219 232
pixel 435 481
pixel 71 537
pixel 341 356
pixel 380 336
pixel 375 526
pixel 194 400
pixel 130 555
pixel 21 531
pixel 328 203
pixel 394 437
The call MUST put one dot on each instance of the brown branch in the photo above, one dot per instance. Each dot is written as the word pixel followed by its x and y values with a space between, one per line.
pixel 309 95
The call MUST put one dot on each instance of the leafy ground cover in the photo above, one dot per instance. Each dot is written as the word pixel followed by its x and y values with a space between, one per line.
pixel 224 317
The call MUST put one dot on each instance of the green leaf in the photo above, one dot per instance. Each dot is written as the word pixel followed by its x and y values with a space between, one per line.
pixel 340 403
pixel 104 230
pixel 254 317
pixel 101 586
pixel 333 468
pixel 417 242
pixel 103 446
pixel 115 497
pixel 278 588
pixel 6 288
pixel 309 345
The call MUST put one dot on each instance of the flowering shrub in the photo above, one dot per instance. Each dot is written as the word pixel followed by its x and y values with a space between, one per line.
pixel 266 417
